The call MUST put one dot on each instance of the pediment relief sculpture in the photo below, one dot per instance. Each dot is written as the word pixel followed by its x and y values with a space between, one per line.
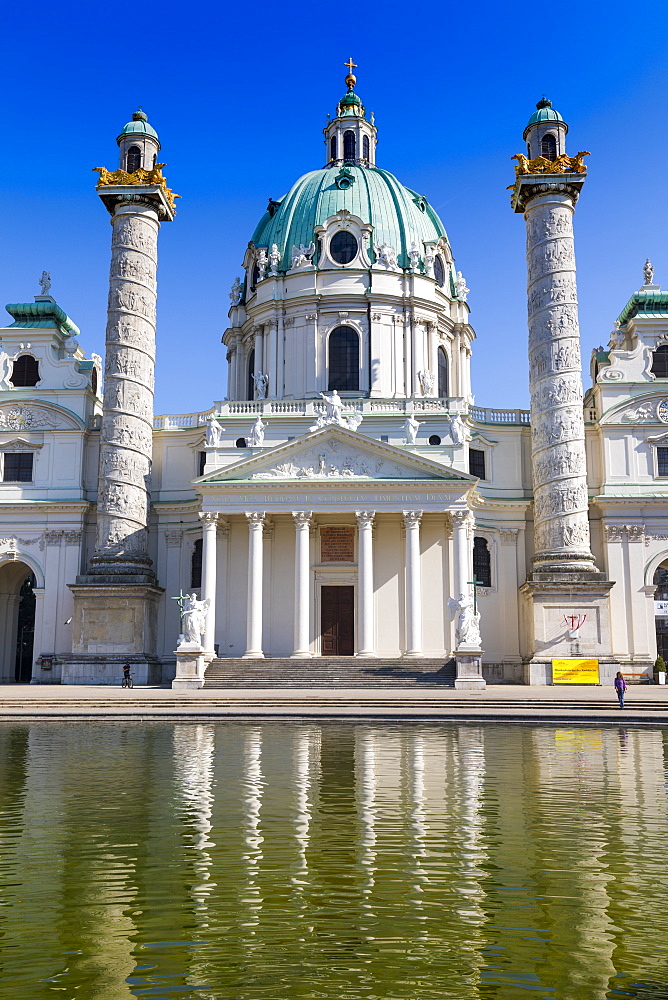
pixel 330 461
pixel 28 417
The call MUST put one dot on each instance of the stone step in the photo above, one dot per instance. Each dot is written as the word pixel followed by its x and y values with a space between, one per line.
pixel 328 672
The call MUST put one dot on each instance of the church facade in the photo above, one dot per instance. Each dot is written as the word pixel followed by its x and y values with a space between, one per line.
pixel 348 498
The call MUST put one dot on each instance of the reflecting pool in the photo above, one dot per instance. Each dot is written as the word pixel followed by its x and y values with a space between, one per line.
pixel 338 861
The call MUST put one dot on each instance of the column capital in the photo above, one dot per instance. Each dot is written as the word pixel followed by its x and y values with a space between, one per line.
pixel 302 518
pixel 412 518
pixel 223 526
pixel 208 518
pixel 365 518
pixel 255 519
pixel 461 518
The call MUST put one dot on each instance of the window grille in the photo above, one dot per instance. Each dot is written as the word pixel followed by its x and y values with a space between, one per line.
pixel 482 562
pixel 662 461
pixel 477 463
pixel 443 387
pixel 344 360
pixel 343 247
pixel 18 467
pixel 548 146
pixel 134 159
pixel 660 362
pixel 196 565
pixel 25 371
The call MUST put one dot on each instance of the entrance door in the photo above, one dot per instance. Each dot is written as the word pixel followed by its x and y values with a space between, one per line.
pixel 338 621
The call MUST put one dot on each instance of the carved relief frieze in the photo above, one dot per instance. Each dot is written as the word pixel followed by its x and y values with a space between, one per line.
pixel 128 298
pixel 557 255
pixel 554 358
pixel 13 542
pixel 561 288
pixel 139 234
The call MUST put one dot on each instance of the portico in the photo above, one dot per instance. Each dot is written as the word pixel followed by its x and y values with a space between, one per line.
pixel 322 557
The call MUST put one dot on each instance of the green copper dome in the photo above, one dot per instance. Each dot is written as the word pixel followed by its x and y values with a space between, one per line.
pixel 398 215
pixel 140 125
pixel 544 113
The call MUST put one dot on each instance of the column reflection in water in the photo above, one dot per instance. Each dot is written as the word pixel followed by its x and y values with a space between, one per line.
pixel 306 761
pixel 366 808
pixel 252 792
pixel 194 752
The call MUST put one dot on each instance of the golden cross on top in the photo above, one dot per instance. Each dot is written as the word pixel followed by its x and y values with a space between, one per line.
pixel 350 64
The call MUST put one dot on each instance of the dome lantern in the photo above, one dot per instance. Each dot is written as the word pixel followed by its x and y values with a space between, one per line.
pixel 350 138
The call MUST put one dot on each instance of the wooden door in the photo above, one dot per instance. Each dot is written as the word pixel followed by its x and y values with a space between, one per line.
pixel 338 621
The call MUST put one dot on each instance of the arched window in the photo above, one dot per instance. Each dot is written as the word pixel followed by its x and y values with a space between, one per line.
pixel 344 360
pixel 482 562
pixel 439 271
pixel 343 247
pixel 660 581
pixel 333 148
pixel 25 371
pixel 348 145
pixel 443 387
pixel 134 159
pixel 365 147
pixel 548 146
pixel 93 380
pixel 254 277
pixel 251 372
pixel 196 565
pixel 660 362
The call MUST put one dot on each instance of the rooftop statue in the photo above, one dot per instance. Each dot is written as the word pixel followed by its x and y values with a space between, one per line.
pixel 45 282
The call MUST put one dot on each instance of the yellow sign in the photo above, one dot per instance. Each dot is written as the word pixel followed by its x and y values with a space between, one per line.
pixel 575 672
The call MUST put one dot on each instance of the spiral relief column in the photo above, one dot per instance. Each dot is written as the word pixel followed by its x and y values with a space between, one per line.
pixel 564 577
pixel 115 602
pixel 127 421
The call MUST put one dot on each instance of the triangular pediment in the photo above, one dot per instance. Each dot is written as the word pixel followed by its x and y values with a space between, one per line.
pixel 334 454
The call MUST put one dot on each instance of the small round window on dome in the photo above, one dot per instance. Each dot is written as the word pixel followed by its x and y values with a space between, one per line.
pixel 343 248
pixel 434 439
pixel 439 271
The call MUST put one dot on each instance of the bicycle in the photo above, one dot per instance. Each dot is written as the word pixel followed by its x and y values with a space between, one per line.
pixel 127 681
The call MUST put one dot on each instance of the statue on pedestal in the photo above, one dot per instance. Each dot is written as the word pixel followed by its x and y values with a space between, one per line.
pixel 467 631
pixel 411 426
pixel 256 436
pixel 214 431
pixel 193 619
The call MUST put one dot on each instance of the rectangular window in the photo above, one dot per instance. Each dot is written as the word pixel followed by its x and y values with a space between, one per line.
pixel 662 461
pixel 477 463
pixel 202 462
pixel 18 467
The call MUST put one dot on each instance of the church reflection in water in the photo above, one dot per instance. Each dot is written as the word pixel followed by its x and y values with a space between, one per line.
pixel 331 860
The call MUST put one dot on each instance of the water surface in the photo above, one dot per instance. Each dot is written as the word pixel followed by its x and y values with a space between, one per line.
pixel 332 861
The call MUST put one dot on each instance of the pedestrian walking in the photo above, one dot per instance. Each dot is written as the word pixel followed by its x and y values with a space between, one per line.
pixel 620 688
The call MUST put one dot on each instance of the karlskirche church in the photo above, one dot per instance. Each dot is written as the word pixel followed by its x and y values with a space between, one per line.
pixel 348 514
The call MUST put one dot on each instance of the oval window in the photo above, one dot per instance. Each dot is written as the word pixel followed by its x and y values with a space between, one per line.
pixel 343 248
pixel 434 439
pixel 439 271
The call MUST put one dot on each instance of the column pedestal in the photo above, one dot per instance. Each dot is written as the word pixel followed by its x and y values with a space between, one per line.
pixel 190 667
pixel 469 670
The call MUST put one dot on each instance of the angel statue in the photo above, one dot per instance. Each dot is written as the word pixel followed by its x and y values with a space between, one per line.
pixel 648 272
pixel 457 432
pixel 427 382
pixel 5 369
pixel 45 282
pixel 467 631
pixel 302 255
pixel 194 617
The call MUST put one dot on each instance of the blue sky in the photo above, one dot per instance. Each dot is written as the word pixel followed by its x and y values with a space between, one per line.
pixel 239 96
